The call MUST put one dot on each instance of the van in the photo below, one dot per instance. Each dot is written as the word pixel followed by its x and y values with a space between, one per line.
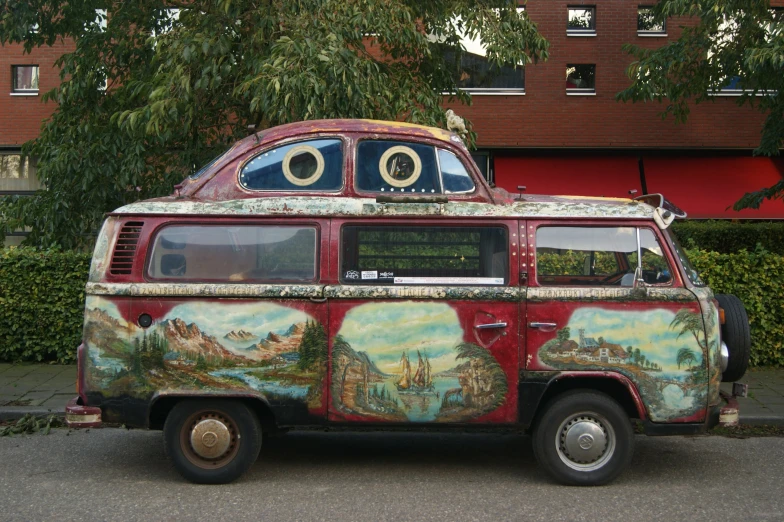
pixel 355 274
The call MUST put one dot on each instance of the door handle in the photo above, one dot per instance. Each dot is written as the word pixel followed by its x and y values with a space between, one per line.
pixel 490 325
pixel 542 325
pixel 319 299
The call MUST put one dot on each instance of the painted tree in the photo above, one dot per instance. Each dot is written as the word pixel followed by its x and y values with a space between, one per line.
pixel 179 89
pixel 686 357
pixel 738 42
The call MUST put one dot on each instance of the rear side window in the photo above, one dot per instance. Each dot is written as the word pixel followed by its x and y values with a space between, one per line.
pixel 424 255
pixel 234 254
pixel 454 175
pixel 306 165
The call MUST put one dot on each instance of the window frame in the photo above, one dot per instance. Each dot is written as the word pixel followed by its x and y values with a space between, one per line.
pixel 344 148
pixel 156 232
pixel 647 33
pixel 15 91
pixel 582 91
pixel 675 281
pixel 577 31
pixel 509 229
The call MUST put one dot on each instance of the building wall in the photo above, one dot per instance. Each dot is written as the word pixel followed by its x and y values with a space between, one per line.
pixel 546 117
pixel 21 116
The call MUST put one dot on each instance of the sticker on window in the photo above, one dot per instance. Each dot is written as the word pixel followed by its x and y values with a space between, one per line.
pixel 352 274
pixel 369 274
pixel 400 166
pixel 303 165
pixel 449 280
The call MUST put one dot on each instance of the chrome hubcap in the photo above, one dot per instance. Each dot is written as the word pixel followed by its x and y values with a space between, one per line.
pixel 725 357
pixel 210 438
pixel 585 441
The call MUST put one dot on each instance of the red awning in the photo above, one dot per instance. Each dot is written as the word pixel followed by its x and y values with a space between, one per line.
pixel 705 187
pixel 573 176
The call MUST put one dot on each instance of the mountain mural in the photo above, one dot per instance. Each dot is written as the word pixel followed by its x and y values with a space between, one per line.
pixel 188 338
pixel 276 344
pixel 239 336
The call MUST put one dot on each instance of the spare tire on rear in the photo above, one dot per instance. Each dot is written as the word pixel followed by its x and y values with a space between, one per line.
pixel 736 335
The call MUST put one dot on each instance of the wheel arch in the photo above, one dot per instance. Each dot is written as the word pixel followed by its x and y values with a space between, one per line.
pixel 162 404
pixel 616 386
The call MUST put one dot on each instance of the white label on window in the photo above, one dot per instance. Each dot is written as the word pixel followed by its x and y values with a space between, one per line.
pixel 387 275
pixel 369 274
pixel 449 281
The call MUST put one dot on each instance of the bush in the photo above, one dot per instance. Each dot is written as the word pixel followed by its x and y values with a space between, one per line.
pixel 41 304
pixel 727 237
pixel 756 278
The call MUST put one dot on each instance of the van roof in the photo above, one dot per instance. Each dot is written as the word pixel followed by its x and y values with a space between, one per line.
pixel 526 207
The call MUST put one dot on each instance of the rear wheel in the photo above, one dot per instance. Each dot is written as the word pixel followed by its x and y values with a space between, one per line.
pixel 583 438
pixel 736 334
pixel 212 442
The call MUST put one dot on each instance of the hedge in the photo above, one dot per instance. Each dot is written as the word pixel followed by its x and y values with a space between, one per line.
pixel 42 300
pixel 41 304
pixel 727 237
pixel 757 278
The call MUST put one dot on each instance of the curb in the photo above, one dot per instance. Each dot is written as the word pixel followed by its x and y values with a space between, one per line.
pixel 12 413
pixel 761 420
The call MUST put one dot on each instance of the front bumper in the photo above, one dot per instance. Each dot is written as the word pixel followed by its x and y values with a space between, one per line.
pixel 78 416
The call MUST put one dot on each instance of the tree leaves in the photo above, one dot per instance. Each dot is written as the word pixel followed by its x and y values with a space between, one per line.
pixel 731 41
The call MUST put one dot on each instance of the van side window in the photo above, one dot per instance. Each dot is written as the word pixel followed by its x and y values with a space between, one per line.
pixel 241 253
pixel 305 165
pixel 586 255
pixel 396 166
pixel 411 255
pixel 454 175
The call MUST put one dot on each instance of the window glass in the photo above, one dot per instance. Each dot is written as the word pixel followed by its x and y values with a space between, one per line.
pixel 424 255
pixel 580 78
pixel 454 175
pixel 394 166
pixel 585 255
pixel 17 172
pixel 581 20
pixel 25 78
pixel 306 165
pixel 691 272
pixel 646 23
pixel 230 253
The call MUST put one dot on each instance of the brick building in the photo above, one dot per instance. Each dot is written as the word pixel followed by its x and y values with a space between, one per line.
pixel 554 128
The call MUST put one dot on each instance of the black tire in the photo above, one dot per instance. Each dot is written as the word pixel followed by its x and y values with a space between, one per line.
pixel 241 439
pixel 736 334
pixel 558 429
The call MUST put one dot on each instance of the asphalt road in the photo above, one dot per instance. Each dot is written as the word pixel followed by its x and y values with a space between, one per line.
pixel 114 474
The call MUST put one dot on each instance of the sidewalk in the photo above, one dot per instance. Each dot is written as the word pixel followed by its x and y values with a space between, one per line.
pixel 43 389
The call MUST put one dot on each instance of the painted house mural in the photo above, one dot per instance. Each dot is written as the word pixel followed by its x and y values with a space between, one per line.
pixel 663 352
pixel 408 362
pixel 278 351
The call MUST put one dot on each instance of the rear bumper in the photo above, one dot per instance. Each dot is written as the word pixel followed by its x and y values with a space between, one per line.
pixel 78 416
pixel 730 413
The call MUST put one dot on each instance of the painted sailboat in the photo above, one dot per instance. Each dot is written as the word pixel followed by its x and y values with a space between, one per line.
pixel 421 382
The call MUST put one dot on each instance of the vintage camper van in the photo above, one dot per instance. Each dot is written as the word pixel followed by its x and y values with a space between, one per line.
pixel 362 273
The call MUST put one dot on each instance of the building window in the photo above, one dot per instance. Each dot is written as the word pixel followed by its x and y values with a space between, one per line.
pixel 25 79
pixel 17 174
pixel 581 22
pixel 647 25
pixel 580 79
pixel 474 73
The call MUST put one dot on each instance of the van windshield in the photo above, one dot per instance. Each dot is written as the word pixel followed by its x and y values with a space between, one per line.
pixel 691 272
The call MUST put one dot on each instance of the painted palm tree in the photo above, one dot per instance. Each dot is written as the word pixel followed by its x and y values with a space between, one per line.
pixel 685 357
pixel 692 323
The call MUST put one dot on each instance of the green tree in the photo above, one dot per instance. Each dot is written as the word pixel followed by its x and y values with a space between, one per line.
pixel 686 357
pixel 181 89
pixel 563 334
pixel 732 42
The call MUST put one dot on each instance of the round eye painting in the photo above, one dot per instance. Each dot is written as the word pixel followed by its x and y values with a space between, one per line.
pixel 303 165
pixel 400 166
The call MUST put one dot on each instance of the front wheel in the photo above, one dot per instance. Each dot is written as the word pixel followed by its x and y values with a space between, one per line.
pixel 583 438
pixel 212 442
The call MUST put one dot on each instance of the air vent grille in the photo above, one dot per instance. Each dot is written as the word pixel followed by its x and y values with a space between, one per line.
pixel 125 249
